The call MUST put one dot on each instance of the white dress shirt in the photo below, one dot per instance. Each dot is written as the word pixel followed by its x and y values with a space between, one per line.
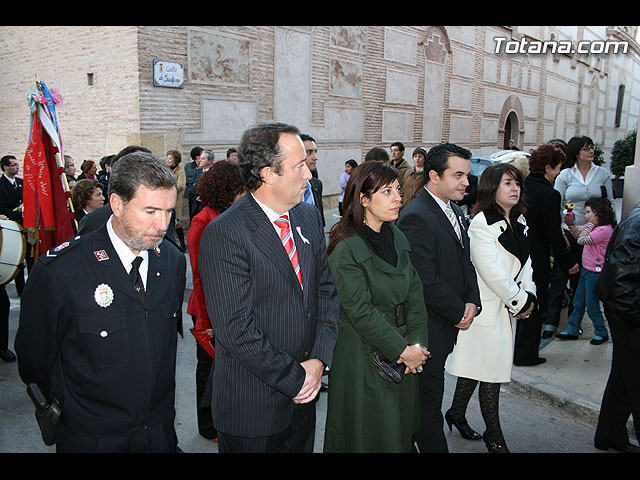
pixel 126 255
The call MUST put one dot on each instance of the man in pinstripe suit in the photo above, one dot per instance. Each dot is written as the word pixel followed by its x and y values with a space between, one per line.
pixel 275 328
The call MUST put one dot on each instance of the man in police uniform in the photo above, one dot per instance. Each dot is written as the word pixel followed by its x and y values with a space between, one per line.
pixel 98 338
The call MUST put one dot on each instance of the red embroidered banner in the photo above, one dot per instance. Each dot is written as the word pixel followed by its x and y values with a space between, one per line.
pixel 45 200
pixel 37 198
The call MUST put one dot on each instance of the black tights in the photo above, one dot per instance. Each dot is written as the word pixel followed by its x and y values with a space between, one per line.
pixel 488 394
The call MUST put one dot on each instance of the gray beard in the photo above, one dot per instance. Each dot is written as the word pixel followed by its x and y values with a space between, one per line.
pixel 136 243
pixel 140 245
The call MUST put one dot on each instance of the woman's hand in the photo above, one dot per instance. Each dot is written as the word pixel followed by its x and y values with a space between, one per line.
pixel 527 313
pixel 414 356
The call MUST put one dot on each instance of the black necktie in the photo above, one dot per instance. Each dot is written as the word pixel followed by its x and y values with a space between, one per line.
pixel 135 277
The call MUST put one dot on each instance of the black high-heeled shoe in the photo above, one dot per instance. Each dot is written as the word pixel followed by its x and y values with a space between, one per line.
pixel 463 427
pixel 496 446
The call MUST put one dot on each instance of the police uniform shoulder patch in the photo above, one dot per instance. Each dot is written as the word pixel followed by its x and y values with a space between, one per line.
pixel 60 249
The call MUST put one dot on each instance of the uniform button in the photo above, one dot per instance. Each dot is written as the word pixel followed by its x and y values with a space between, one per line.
pixel 514 303
pixel 103 333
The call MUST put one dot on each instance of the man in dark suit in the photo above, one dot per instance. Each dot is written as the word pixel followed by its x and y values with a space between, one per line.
pixel 97 333
pixel 11 187
pixel 205 161
pixel 313 194
pixel 440 253
pixel 272 301
pixel 10 198
pixel 192 173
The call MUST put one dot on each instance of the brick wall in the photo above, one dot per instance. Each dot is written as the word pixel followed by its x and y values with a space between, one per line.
pixel 96 119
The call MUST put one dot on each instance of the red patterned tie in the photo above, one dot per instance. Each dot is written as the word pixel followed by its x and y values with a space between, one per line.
pixel 289 246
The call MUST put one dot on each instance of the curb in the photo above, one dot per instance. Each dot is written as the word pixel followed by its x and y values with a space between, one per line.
pixel 580 407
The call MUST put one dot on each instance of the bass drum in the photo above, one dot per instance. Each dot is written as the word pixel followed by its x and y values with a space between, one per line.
pixel 13 249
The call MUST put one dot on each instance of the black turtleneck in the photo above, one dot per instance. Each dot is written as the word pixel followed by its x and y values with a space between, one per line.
pixel 382 243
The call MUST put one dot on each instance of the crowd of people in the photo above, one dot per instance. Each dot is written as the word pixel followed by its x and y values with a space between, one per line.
pixel 428 270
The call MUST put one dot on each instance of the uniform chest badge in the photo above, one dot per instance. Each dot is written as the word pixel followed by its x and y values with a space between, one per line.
pixel 103 295
pixel 101 255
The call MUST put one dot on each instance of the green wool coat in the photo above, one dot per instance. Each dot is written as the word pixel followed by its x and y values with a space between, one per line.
pixel 366 413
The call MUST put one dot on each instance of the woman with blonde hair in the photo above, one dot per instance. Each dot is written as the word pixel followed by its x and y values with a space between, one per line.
pixel 174 157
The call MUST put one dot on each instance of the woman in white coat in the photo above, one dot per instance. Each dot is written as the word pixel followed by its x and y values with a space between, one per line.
pixel 500 253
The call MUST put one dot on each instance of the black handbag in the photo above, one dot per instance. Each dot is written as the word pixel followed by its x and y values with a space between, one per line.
pixel 392 371
pixel 389 370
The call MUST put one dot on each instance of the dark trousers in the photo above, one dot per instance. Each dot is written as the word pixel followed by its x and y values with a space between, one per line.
pixel 528 330
pixel 298 437
pixel 527 341
pixel 28 262
pixel 5 308
pixel 180 237
pixel 203 394
pixel 159 438
pixel 559 278
pixel 621 396
pixel 204 363
pixel 430 437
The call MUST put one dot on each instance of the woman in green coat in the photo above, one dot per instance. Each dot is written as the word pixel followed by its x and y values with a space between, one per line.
pixel 382 311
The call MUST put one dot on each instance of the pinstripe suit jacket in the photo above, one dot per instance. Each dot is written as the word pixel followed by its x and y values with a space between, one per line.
pixel 265 325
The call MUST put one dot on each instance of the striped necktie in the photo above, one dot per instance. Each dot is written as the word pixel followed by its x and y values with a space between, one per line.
pixel 287 241
pixel 453 220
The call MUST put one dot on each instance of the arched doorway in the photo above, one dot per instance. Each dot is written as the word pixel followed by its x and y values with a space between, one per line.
pixel 511 123
pixel 511 130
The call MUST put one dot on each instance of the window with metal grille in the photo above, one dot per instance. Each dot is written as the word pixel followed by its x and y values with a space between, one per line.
pixel 619 105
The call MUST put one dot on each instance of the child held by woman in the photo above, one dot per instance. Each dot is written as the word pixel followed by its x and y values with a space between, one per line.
pixel 594 237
